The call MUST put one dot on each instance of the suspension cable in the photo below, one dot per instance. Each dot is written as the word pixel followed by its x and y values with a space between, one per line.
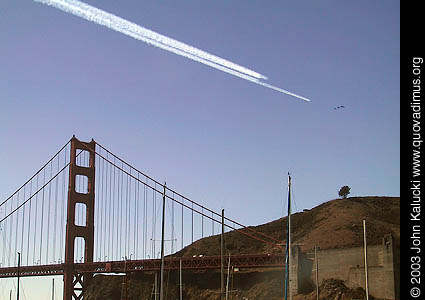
pixel 154 189
pixel 171 190
pixel 35 174
pixel 42 188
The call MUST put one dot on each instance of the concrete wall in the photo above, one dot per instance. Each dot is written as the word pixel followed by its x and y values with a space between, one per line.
pixel 348 265
pixel 300 272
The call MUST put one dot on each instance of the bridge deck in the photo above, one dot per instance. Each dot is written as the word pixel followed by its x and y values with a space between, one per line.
pixel 188 263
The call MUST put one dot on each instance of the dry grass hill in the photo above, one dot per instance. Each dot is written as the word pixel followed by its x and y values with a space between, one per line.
pixel 334 224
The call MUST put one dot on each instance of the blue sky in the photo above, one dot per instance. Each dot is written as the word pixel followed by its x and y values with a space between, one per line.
pixel 218 139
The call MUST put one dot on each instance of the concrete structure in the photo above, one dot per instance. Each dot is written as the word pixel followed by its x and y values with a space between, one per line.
pixel 348 265
pixel 300 271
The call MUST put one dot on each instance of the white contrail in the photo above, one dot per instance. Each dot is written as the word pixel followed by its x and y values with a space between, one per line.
pixel 138 32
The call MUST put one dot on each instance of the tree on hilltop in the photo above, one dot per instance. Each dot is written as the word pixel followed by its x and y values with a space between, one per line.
pixel 344 191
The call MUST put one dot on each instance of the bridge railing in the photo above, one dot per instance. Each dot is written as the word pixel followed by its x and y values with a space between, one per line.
pixel 170 263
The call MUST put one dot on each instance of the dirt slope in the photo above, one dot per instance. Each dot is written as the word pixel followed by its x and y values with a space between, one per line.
pixel 334 224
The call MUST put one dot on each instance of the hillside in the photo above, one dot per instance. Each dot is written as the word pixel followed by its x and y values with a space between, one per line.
pixel 334 224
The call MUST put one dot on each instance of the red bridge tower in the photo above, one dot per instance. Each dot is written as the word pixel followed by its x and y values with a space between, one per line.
pixel 75 283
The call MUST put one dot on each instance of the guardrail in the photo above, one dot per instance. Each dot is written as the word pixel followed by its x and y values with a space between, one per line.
pixel 170 263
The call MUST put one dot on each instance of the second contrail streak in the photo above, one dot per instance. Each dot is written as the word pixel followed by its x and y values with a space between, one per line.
pixel 138 32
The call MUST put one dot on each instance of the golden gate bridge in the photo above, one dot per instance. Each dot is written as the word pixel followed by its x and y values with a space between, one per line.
pixel 87 211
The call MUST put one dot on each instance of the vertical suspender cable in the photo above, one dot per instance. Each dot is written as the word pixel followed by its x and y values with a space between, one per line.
pixel 62 228
pixel 55 212
pixel 99 209
pixel 4 244
pixel 110 212
pixel 10 230
pixel 172 225
pixel 153 221
pixel 104 207
pixel 192 222
pixel 129 216
pixel 126 217
pixel 222 256
pixel 10 233
pixel 212 223
pixel 122 215
pixel 144 222
pixel 107 219
pixel 146 219
pixel 120 202
pixel 97 215
pixel 13 237
pixel 29 224
pixel 113 213
pixel 17 224
pixel 42 215
pixel 23 225
pixel 104 202
pixel 108 209
pixel 182 222
pixel 105 214
pixel 136 217
pixel 124 244
pixel 35 223
pixel 48 215
pixel 95 219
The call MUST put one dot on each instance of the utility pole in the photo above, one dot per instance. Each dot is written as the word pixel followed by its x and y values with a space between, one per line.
pixel 222 253
pixel 288 247
pixel 317 272
pixel 228 275
pixel 161 287
pixel 181 283
pixel 125 278
pixel 365 259
pixel 53 289
pixel 156 286
pixel 19 265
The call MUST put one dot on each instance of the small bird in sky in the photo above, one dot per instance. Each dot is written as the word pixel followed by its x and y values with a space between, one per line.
pixel 339 107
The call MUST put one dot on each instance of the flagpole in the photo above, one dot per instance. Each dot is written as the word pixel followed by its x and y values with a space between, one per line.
pixel 288 244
